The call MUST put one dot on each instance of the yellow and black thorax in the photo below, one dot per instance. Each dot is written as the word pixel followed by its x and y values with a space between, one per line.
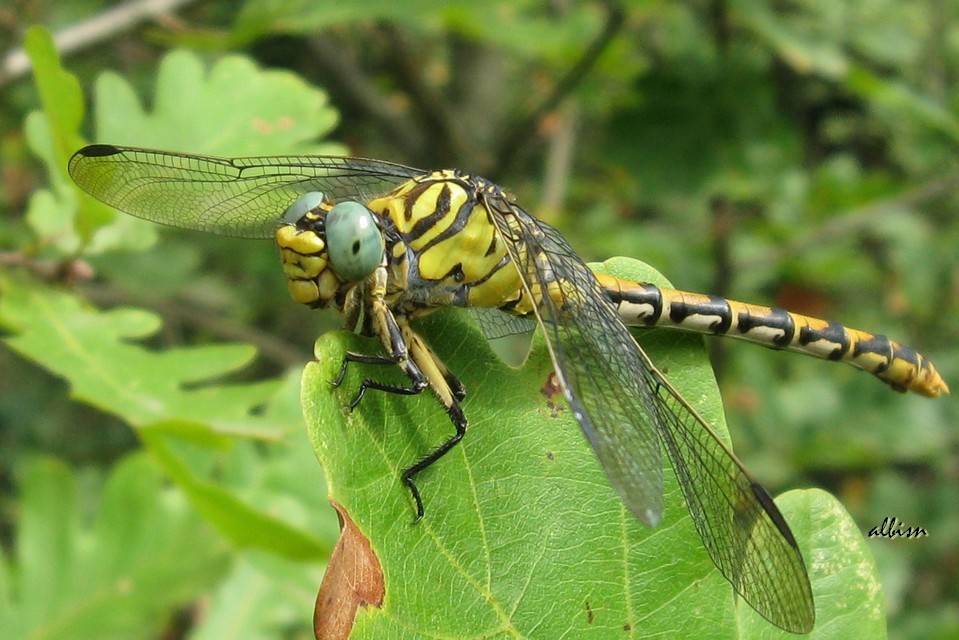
pixel 440 247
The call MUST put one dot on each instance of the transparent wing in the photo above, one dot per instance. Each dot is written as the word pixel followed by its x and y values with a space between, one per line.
pixel 241 197
pixel 741 527
pixel 595 357
pixel 624 405
pixel 498 324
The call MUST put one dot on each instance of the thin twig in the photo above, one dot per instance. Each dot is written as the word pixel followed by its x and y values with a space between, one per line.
pixel 63 270
pixel 103 26
pixel 357 88
pixel 559 161
pixel 518 136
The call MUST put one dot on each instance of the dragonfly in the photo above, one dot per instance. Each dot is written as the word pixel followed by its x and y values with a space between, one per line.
pixel 384 243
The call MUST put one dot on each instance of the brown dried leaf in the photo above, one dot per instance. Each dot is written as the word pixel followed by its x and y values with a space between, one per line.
pixel 353 579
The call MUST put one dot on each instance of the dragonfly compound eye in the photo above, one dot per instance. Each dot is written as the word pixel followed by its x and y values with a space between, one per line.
pixel 354 242
pixel 301 206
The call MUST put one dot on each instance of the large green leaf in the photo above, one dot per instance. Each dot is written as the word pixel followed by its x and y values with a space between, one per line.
pixel 166 394
pixel 523 536
pixel 231 108
pixel 93 350
pixel 117 576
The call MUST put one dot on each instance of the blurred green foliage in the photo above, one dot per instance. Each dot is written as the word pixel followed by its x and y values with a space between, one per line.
pixel 800 153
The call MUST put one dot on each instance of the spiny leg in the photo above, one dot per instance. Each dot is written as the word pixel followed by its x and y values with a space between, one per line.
pixel 441 386
pixel 456 387
pixel 449 391
pixel 418 382
pixel 459 423
pixel 352 356
pixel 408 351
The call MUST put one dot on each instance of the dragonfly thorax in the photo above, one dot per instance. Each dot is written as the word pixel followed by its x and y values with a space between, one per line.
pixel 444 249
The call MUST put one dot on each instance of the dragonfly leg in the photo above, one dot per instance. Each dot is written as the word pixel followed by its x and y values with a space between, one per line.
pixel 369 383
pixel 358 357
pixel 418 381
pixel 398 356
pixel 391 333
pixel 459 423
pixel 455 386
pixel 449 391
pixel 424 369
pixel 447 388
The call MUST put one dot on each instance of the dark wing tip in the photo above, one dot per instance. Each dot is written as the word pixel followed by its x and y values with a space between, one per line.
pixel 98 151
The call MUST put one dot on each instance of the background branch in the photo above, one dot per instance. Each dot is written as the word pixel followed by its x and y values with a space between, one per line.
pixel 103 26
pixel 519 136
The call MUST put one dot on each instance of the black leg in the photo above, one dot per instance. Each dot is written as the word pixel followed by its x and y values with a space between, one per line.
pixel 408 351
pixel 456 387
pixel 358 357
pixel 419 383
pixel 369 383
pixel 459 422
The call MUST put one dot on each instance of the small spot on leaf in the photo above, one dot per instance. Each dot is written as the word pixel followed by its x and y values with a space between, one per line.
pixel 552 390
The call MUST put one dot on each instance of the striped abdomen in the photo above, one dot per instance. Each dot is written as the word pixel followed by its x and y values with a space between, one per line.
pixel 643 304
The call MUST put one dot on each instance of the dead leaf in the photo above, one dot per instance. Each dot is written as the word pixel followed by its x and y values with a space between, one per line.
pixel 354 579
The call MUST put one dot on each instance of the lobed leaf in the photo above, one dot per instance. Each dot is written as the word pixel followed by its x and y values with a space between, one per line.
pixel 170 397
pixel 523 536
pixel 117 577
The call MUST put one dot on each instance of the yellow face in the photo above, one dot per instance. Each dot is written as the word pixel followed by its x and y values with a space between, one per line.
pixel 306 265
pixel 326 248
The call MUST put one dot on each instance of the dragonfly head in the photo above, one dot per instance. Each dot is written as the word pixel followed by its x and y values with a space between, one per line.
pixel 326 248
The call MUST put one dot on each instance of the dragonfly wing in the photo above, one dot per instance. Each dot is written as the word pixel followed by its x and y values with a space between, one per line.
pixel 625 405
pixel 594 355
pixel 742 528
pixel 498 324
pixel 241 197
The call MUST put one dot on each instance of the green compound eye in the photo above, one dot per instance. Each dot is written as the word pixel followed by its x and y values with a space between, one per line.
pixel 354 242
pixel 305 203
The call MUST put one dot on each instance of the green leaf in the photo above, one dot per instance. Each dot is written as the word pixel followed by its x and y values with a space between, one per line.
pixel 54 134
pixel 898 99
pixel 245 525
pixel 849 597
pixel 807 43
pixel 234 108
pixel 167 395
pixel 60 94
pixel 262 599
pixel 523 534
pixel 119 576
pixel 296 16
pixel 92 350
